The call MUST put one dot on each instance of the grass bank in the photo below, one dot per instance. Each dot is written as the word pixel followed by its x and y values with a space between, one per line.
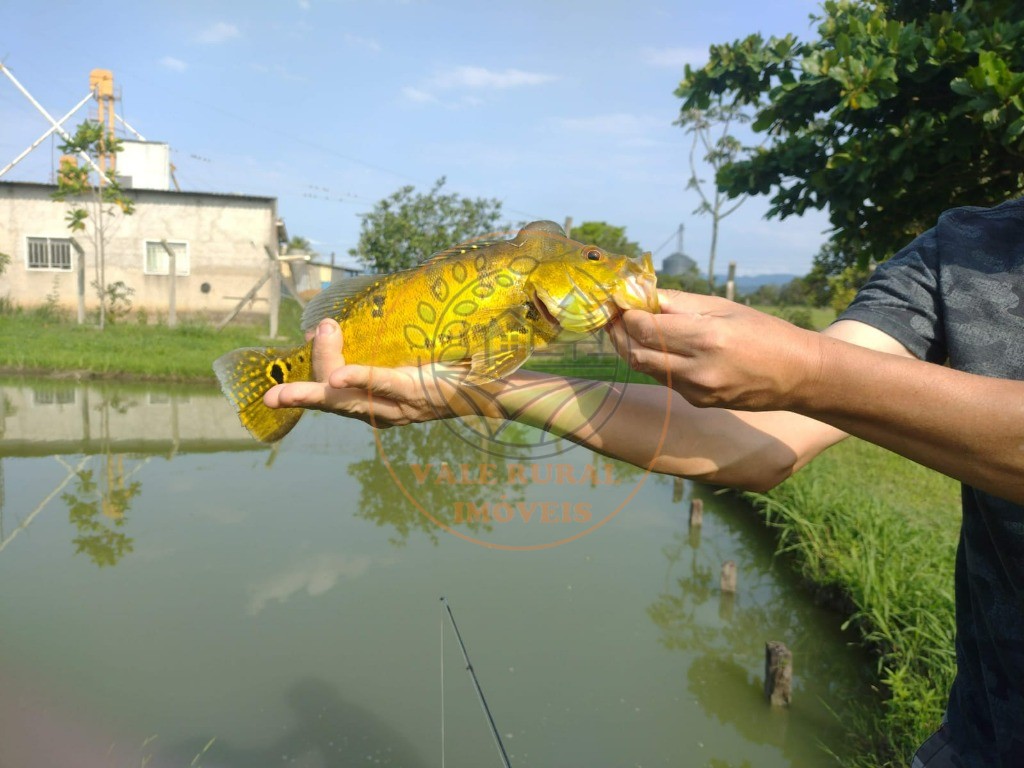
pixel 877 534
pixel 41 341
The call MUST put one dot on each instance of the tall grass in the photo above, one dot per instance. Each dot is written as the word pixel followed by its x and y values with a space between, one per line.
pixel 877 534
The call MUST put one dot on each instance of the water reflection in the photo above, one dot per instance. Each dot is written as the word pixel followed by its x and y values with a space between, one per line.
pixel 421 469
pixel 112 430
pixel 328 731
pixel 422 480
pixel 239 577
pixel 50 417
pixel 98 509
pixel 727 632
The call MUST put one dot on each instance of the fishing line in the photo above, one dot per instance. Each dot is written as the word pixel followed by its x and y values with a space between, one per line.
pixel 476 683
pixel 442 691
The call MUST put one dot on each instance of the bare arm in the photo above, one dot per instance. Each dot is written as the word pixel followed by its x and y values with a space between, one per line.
pixel 725 355
pixel 647 425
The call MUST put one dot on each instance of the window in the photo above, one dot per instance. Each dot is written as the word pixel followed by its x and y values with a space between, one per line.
pixel 156 260
pixel 53 396
pixel 49 253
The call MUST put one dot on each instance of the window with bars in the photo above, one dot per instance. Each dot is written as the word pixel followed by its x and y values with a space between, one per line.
pixel 49 253
pixel 157 262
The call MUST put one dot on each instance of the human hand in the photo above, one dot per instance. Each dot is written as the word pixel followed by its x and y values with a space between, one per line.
pixel 715 352
pixel 381 397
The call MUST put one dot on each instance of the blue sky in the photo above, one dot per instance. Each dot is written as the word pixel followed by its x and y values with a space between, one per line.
pixel 556 107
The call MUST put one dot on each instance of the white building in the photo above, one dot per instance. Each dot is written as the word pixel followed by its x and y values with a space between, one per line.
pixel 222 245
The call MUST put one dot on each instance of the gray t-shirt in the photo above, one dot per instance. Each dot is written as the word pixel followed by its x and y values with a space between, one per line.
pixel 956 295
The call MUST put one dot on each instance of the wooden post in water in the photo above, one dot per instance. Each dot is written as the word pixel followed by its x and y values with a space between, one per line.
pixel 778 673
pixel 677 489
pixel 728 580
pixel 696 513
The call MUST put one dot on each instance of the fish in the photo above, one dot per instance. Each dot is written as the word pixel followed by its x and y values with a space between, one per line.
pixel 484 305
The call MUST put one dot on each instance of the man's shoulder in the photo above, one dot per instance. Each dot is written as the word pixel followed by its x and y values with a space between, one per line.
pixel 1005 219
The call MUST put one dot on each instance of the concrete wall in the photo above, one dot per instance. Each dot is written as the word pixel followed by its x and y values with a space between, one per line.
pixel 226 237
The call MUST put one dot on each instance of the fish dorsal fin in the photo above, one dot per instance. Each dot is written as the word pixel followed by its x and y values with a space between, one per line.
pixel 547 227
pixel 461 249
pixel 333 300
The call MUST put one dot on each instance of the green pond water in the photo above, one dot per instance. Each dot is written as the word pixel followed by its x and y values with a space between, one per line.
pixel 166 581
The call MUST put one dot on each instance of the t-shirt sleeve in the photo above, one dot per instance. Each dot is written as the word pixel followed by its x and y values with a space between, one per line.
pixel 902 299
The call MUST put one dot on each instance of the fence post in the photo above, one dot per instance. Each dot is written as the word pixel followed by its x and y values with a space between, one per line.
pixel 778 673
pixel 696 513
pixel 728 580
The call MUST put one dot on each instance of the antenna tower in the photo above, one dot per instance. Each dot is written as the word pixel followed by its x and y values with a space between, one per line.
pixel 101 83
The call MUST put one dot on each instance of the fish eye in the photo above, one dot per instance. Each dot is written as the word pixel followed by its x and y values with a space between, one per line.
pixel 594 254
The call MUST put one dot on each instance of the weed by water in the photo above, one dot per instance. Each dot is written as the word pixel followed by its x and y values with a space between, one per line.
pixel 881 532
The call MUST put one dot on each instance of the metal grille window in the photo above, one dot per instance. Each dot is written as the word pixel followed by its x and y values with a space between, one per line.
pixel 157 262
pixel 49 253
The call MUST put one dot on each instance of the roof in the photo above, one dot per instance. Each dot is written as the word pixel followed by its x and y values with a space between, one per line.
pixel 144 192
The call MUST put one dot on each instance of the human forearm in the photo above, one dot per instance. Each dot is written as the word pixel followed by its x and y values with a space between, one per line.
pixel 654 427
pixel 966 426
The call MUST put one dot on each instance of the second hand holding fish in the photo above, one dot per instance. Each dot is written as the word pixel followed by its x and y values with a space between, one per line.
pixel 379 396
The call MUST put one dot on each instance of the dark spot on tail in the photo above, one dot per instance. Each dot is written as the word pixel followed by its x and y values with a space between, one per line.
pixel 277 372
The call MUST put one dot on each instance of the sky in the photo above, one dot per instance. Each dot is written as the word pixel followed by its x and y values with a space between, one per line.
pixel 556 108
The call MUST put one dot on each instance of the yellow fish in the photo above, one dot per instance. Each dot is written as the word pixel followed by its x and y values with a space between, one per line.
pixel 487 305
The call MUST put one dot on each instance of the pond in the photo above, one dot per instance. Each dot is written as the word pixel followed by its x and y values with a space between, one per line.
pixel 173 593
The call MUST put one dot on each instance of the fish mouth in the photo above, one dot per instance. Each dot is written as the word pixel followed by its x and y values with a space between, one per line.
pixel 577 311
pixel 639 289
pixel 545 313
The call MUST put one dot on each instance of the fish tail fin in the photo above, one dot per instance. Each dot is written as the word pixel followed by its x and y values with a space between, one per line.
pixel 246 374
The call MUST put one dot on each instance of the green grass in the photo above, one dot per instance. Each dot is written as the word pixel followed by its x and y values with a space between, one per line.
pixel 877 534
pixel 815 318
pixel 43 341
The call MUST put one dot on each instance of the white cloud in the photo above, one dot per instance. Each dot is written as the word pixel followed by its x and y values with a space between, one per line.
pixel 481 77
pixel 473 80
pixel 417 95
pixel 316 576
pixel 173 64
pixel 218 33
pixel 304 5
pixel 366 43
pixel 674 58
pixel 611 124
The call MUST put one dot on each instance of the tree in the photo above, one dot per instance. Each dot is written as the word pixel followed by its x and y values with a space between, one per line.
pixel 606 236
pixel 4 261
pixel 895 113
pixel 690 281
pixel 719 151
pixel 299 244
pixel 98 513
pixel 408 226
pixel 94 201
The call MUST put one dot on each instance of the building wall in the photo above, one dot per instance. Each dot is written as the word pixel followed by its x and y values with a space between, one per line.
pixel 226 239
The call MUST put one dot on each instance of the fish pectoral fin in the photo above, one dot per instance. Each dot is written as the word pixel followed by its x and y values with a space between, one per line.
pixel 488 365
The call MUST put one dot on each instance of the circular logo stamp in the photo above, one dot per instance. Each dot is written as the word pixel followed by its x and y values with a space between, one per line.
pixel 528 481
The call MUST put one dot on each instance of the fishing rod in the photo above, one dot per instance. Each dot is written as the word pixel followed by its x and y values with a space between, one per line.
pixel 476 682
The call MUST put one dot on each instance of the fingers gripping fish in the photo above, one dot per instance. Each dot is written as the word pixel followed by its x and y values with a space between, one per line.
pixel 486 305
